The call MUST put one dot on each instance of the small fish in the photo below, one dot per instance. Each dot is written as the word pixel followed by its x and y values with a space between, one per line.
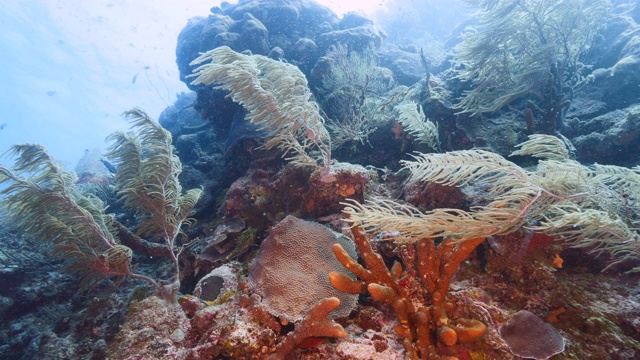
pixel 3 126
pixel 135 77
pixel 112 169
pixel 147 67
pixel 51 93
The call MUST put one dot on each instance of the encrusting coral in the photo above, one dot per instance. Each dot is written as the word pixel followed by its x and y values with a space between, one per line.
pixel 153 331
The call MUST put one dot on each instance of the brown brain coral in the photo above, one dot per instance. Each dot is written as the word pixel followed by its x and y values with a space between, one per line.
pixel 291 270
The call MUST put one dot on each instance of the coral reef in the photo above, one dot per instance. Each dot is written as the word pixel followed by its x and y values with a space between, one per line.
pixel 302 123
pixel 549 61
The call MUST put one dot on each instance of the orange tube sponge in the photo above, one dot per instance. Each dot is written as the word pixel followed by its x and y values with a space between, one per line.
pixel 469 330
pixel 447 336
pixel 314 324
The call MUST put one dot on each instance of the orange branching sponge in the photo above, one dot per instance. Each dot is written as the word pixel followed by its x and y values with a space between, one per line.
pixel 314 324
pixel 436 266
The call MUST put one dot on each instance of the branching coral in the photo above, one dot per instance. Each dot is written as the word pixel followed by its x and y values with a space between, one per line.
pixel 358 70
pixel 592 207
pixel 42 199
pixel 147 182
pixel 527 48
pixel 352 94
pixel 413 119
pixel 278 100
pixel 511 194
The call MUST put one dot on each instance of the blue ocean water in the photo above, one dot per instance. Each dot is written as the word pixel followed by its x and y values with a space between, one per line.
pixel 67 69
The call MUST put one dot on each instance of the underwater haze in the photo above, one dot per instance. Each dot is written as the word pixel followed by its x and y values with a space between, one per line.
pixel 70 68
pixel 331 179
